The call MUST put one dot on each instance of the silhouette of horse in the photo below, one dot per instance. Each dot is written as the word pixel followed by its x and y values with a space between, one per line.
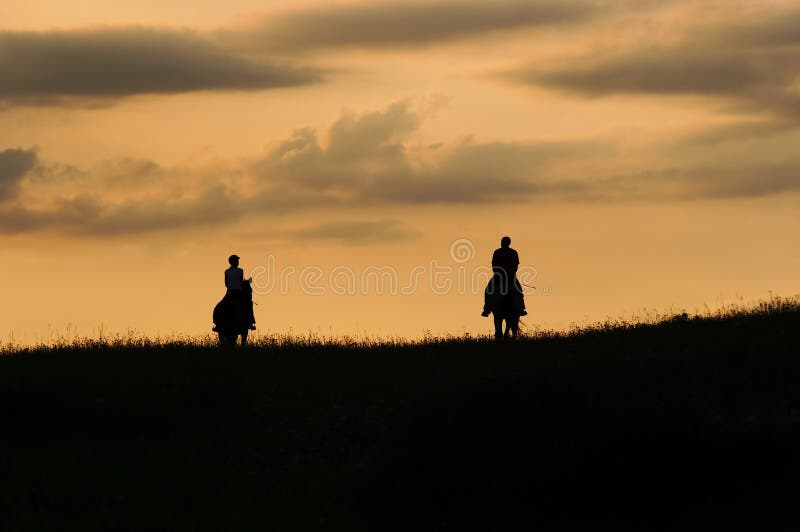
pixel 506 307
pixel 232 315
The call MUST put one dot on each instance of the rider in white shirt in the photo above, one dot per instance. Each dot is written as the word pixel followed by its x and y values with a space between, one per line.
pixel 234 277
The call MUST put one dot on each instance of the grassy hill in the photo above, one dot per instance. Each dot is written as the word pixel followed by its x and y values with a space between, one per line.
pixel 686 424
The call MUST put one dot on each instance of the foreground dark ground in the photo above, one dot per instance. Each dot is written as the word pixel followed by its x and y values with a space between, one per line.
pixel 691 424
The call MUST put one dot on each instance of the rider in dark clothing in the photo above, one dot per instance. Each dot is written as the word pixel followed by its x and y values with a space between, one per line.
pixel 505 262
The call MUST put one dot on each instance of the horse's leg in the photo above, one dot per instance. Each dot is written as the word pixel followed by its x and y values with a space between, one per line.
pixel 513 326
pixel 225 338
pixel 498 327
pixel 244 338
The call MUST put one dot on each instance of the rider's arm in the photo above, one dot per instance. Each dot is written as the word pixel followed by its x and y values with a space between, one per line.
pixel 495 263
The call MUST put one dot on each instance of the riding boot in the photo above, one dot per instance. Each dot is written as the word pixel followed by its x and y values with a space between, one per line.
pixel 520 298
pixel 489 296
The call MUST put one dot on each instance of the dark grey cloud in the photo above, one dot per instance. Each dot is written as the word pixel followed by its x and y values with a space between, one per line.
pixel 366 159
pixel 130 172
pixel 775 29
pixel 662 71
pixel 684 183
pixel 56 173
pixel 744 131
pixel 14 164
pixel 485 172
pixel 214 206
pixel 692 69
pixel 393 24
pixel 57 66
pixel 355 232
pixel 85 214
pixel 751 180
pixel 280 195
pixel 749 66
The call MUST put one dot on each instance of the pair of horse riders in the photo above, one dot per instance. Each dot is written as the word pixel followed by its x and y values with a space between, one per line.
pixel 234 282
pixel 505 262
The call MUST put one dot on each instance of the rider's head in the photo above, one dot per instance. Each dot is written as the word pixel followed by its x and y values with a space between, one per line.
pixel 505 241
pixel 233 260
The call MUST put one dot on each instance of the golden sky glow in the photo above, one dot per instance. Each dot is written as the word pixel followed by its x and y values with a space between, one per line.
pixel 640 155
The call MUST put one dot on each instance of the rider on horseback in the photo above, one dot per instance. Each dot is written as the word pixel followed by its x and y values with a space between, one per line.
pixel 234 279
pixel 505 262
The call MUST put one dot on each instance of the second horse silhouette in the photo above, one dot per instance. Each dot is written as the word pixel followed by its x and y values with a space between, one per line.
pixel 503 297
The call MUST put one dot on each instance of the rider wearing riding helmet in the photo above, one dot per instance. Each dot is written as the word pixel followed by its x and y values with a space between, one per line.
pixel 234 279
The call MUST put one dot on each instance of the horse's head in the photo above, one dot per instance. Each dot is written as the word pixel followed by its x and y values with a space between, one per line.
pixel 246 286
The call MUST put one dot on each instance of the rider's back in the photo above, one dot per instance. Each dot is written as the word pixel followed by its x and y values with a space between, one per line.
pixel 507 260
pixel 234 276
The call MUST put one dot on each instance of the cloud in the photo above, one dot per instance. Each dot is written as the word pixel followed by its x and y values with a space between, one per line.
pixel 56 67
pixel 777 29
pixel 738 182
pixel 367 160
pixel 386 173
pixel 398 24
pixel 715 182
pixel 130 172
pixel 355 232
pixel 744 131
pixel 14 164
pixel 85 214
pixel 748 66
pixel 364 160
pixel 124 196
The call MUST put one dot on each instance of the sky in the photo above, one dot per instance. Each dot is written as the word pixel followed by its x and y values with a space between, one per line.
pixel 365 158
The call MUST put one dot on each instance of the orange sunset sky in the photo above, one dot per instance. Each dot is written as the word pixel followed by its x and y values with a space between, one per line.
pixel 640 154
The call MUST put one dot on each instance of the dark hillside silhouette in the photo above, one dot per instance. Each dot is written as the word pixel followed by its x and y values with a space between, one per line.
pixel 689 424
